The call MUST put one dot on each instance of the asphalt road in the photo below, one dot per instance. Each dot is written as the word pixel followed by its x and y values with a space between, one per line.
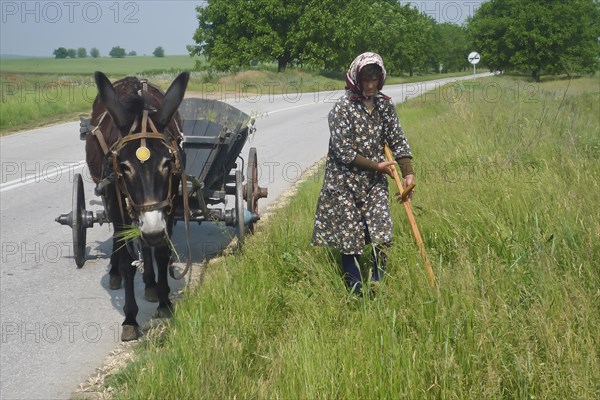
pixel 59 323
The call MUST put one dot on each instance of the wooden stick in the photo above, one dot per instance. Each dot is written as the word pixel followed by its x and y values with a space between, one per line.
pixel 411 220
pixel 406 192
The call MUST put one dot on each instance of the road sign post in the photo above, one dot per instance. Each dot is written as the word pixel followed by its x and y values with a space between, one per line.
pixel 474 58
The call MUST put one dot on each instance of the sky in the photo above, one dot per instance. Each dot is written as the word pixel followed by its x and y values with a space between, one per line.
pixel 37 28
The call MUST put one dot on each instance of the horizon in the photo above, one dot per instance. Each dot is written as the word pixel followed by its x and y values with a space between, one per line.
pixel 13 56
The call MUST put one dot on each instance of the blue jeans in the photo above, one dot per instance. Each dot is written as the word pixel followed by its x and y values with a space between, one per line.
pixel 351 268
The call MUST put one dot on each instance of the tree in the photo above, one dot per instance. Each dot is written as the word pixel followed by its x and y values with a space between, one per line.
pixel 233 34
pixel 159 52
pixel 61 52
pixel 81 52
pixel 550 36
pixel 450 48
pixel 94 52
pixel 316 33
pixel 324 34
pixel 415 39
pixel 316 42
pixel 132 53
pixel 117 52
pixel 71 53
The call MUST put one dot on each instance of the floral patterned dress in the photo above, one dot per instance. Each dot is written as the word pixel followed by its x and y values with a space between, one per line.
pixel 353 208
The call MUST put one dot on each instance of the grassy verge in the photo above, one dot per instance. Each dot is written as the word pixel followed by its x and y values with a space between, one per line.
pixel 507 201
pixel 30 101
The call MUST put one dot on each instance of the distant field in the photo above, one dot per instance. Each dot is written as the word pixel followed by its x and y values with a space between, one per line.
pixel 84 66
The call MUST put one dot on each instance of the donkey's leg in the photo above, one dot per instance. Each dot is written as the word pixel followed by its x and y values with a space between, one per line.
pixel 114 281
pixel 131 329
pixel 163 256
pixel 150 292
pixel 110 199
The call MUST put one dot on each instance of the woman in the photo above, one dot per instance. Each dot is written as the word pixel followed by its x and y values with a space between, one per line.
pixel 353 208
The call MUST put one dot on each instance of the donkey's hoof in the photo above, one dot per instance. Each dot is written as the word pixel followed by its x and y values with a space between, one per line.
pixel 151 295
pixel 164 312
pixel 130 332
pixel 114 282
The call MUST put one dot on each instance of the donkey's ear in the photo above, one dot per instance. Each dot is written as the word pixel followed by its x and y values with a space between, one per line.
pixel 172 99
pixel 109 98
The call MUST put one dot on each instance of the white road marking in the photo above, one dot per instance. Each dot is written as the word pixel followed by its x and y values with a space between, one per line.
pixel 39 177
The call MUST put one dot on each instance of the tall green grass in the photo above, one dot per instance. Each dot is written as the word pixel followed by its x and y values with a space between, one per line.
pixel 507 202
pixel 30 101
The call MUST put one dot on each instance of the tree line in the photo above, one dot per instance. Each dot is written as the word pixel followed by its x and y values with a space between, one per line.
pixel 552 36
pixel 81 52
pixel 115 52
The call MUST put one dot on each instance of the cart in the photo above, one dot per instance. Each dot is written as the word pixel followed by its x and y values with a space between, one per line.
pixel 214 136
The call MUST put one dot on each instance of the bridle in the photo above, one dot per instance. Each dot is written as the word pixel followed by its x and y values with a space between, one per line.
pixel 143 154
pixel 177 169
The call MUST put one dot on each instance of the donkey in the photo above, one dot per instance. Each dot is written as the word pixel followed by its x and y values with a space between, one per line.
pixel 145 163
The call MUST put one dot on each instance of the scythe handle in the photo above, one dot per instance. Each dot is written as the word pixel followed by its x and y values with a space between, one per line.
pixel 411 219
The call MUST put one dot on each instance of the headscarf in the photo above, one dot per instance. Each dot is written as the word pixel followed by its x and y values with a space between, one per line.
pixel 353 74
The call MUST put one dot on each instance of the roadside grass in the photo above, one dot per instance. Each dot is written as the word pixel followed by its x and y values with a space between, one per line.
pixel 30 101
pixel 507 202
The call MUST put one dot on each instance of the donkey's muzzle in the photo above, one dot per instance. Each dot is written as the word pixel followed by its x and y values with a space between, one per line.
pixel 153 227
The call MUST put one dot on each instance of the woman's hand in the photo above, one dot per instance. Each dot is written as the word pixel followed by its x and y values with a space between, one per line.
pixel 386 167
pixel 408 180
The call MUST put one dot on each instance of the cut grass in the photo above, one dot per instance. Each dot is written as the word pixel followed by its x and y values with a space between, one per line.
pixel 129 233
pixel 507 202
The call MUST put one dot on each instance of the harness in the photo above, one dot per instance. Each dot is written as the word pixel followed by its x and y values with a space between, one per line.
pixel 133 208
pixel 143 154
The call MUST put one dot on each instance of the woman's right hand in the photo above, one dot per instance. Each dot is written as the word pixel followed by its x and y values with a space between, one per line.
pixel 386 167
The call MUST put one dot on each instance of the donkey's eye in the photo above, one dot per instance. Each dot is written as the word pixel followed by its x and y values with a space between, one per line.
pixel 166 163
pixel 125 168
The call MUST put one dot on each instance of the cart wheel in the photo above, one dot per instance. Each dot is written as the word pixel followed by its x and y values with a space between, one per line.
pixel 252 191
pixel 79 221
pixel 239 208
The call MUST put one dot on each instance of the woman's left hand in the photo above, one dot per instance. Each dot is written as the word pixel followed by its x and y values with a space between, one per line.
pixel 408 180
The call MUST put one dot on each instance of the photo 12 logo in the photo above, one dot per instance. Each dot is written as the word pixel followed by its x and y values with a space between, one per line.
pixel 53 332
pixel 53 12
pixel 454 12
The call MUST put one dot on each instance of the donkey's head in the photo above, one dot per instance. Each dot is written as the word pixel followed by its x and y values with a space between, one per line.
pixel 146 157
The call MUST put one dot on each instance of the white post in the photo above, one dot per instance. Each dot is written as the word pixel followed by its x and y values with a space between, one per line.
pixel 473 58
